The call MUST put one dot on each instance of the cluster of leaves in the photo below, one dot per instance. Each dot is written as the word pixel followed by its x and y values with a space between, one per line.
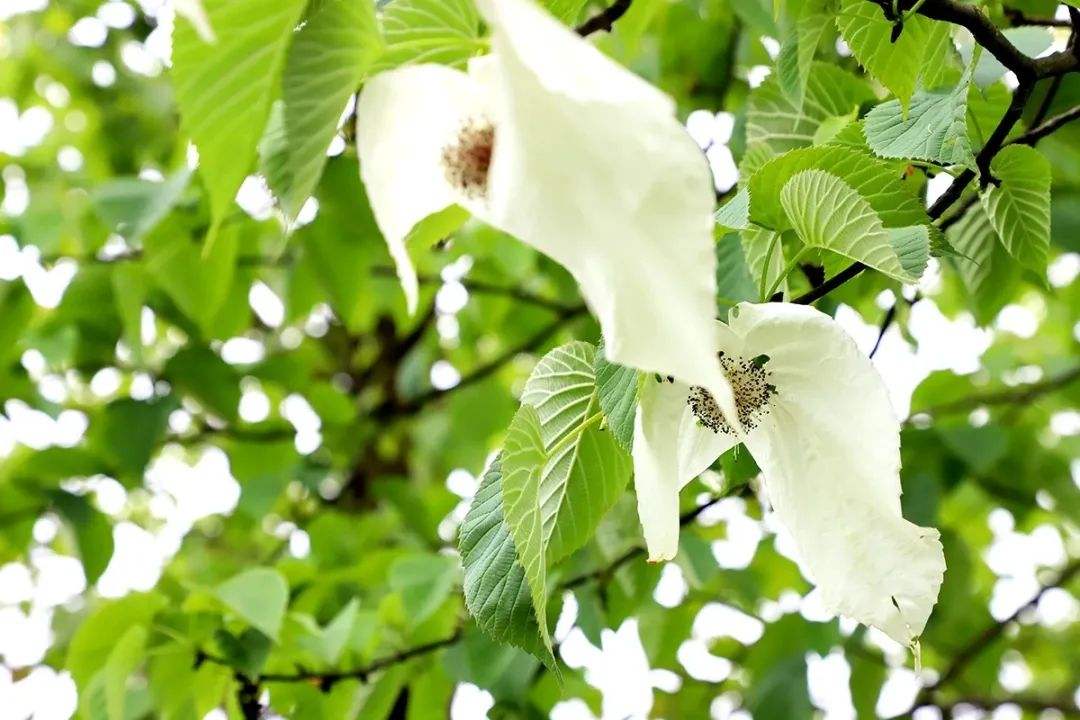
pixel 382 617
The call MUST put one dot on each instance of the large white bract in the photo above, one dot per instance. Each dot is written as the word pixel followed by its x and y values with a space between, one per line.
pixel 554 143
pixel 816 417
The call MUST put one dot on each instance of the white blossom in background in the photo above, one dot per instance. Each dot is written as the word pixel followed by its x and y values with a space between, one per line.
pixel 551 141
pixel 816 417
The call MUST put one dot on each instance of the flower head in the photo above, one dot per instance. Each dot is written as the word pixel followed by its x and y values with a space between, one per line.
pixel 554 143
pixel 816 417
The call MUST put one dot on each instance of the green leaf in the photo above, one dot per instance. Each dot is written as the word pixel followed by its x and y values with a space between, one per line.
pixel 877 181
pixel 988 274
pixel 827 213
pixel 869 35
pixel 734 279
pixel 199 284
pixel 336 634
pixel 1019 208
pixel 496 591
pixel 774 118
pixel 326 62
pixel 523 459
pixel 225 89
pixel 566 10
pixel 424 582
pixel 935 128
pixel 735 213
pixel 764 255
pixel 199 372
pixel 259 596
pixel 130 287
pixel 132 207
pixel 97 634
pixel 586 470
pixel 796 57
pixel 126 433
pixel 93 532
pixel 912 246
pixel 616 389
pixel 124 659
pixel 430 31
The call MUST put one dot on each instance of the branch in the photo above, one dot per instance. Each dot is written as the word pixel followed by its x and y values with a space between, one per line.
pixel 410 407
pixel 326 680
pixel 685 519
pixel 485 288
pixel 1063 704
pixel 1038 132
pixel 1019 17
pixel 605 20
pixel 1023 395
pixel 1028 71
pixel 984 639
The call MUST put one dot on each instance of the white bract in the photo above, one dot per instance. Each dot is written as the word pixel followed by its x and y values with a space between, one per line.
pixel 816 417
pixel 554 143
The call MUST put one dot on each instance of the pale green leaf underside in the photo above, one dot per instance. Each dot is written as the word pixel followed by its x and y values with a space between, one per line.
pixel 912 246
pixel 583 479
pixel 1019 208
pixel 496 591
pixel 796 56
pixel 224 90
pixel 259 596
pixel 325 64
pixel 430 31
pixel 616 389
pixel 827 213
pixel 774 118
pixel 988 274
pixel 877 181
pixel 934 130
pixel 523 460
pixel 735 213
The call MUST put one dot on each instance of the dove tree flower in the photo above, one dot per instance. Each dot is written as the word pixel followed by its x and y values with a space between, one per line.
pixel 552 142
pixel 816 417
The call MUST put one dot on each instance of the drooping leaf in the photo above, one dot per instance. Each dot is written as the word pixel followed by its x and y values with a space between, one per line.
pixel 734 279
pixel 225 89
pixel 430 31
pixel 1019 208
pixel 523 460
pixel 132 207
pixel 827 213
pixel 796 57
pixel 764 255
pixel 988 273
pixel 328 57
pixel 583 478
pixel 259 596
pixel 424 582
pixel 616 389
pixel 496 591
pixel 93 532
pixel 934 129
pixel 896 65
pixel 773 118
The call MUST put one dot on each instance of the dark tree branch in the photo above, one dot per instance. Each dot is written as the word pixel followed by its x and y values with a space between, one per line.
pixel 1063 704
pixel 886 322
pixel 1037 133
pixel 1019 17
pixel 984 639
pixel 1023 395
pixel 608 570
pixel 605 19
pixel 410 407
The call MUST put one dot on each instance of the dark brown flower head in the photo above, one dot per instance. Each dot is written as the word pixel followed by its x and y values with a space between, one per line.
pixel 468 158
pixel 749 383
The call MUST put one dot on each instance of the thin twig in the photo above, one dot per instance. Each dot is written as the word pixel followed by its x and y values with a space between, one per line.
pixel 1023 395
pixel 605 19
pixel 1037 133
pixel 983 640
pixel 416 404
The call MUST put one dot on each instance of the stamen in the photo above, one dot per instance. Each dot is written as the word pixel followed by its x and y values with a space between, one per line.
pixel 468 159
pixel 752 390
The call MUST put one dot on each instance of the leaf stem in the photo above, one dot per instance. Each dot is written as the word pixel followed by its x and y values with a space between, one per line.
pixel 765 265
pixel 785 272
